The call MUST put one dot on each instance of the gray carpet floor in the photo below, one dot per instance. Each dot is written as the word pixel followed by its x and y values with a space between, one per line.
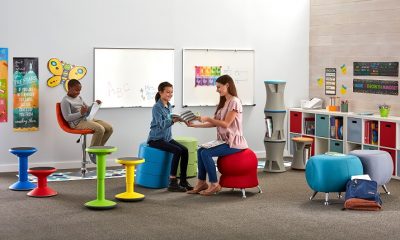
pixel 282 211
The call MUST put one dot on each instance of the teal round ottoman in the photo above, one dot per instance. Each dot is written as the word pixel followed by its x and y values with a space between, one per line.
pixel 155 171
pixel 330 173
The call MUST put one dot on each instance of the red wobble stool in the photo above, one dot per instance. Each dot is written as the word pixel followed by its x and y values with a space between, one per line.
pixel 239 170
pixel 42 190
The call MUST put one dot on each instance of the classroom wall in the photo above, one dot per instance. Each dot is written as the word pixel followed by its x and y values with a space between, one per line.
pixel 343 32
pixel 276 30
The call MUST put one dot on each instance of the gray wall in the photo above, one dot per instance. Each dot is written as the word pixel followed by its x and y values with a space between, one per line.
pixel 69 30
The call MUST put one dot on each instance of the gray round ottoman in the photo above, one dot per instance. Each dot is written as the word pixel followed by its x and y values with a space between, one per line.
pixel 377 164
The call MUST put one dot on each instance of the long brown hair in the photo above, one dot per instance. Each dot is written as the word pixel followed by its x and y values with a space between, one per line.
pixel 226 79
pixel 161 88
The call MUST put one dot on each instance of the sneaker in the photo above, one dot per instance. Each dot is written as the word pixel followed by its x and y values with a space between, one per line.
pixel 186 185
pixel 174 186
pixel 92 157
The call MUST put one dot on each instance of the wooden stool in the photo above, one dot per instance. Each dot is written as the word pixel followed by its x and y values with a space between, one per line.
pixel 101 202
pixel 300 155
pixel 42 190
pixel 130 194
pixel 23 184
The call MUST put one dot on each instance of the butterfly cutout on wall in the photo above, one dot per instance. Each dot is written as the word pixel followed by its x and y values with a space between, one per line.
pixel 63 72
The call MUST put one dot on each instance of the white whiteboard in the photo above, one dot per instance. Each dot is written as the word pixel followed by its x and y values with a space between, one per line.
pixel 202 66
pixel 130 77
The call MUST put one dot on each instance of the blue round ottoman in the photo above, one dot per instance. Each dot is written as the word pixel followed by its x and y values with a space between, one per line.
pixel 330 173
pixel 377 164
pixel 154 172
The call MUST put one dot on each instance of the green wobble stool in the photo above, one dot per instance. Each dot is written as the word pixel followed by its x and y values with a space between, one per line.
pixel 191 144
pixel 101 202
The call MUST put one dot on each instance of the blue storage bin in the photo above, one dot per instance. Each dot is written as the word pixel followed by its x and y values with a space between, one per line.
pixel 354 130
pixel 322 125
pixel 370 147
pixel 336 146
pixel 398 162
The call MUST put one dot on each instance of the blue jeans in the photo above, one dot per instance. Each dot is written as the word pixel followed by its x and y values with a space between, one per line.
pixel 206 164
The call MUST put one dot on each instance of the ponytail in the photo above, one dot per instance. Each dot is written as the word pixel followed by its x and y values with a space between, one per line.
pixel 161 88
pixel 157 97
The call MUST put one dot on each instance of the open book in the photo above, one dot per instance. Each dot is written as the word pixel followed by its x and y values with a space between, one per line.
pixel 185 116
pixel 212 144
pixel 92 111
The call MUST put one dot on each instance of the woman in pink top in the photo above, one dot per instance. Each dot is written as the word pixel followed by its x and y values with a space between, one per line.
pixel 228 121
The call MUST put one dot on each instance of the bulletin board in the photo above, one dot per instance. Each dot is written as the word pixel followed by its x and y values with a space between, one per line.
pixel 201 67
pixel 129 77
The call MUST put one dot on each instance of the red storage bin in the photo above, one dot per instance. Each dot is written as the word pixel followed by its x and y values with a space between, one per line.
pixel 392 153
pixel 295 122
pixel 387 136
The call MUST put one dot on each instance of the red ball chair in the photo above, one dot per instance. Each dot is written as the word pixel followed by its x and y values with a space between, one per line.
pixel 239 170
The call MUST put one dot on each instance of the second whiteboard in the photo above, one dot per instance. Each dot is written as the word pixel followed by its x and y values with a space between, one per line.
pixel 201 67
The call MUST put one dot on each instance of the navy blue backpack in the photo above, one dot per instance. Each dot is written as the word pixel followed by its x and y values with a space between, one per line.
pixel 363 189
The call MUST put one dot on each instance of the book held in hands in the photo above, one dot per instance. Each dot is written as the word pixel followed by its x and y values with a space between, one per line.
pixel 185 116
pixel 92 111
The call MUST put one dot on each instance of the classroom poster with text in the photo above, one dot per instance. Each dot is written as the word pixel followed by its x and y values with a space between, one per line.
pixel 3 84
pixel 26 94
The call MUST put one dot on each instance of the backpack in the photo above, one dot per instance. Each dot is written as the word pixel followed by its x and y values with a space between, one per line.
pixel 362 194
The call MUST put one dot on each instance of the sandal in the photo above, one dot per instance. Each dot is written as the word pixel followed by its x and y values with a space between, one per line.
pixel 198 189
pixel 211 191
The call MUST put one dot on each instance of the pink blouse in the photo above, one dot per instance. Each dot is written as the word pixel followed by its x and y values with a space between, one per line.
pixel 232 135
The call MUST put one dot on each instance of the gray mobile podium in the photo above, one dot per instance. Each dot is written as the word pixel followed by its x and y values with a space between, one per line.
pixel 274 140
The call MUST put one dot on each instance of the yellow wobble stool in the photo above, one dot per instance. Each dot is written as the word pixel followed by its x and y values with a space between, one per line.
pixel 130 194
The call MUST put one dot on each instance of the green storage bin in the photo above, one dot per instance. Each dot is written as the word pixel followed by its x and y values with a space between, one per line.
pixel 336 146
pixel 322 125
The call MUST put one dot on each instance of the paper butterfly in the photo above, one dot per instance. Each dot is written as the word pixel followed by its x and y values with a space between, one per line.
pixel 320 82
pixel 343 89
pixel 63 72
pixel 343 68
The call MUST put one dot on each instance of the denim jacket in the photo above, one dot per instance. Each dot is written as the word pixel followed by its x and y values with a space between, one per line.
pixel 160 127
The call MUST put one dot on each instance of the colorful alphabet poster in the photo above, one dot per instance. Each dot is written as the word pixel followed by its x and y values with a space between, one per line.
pixel 26 94
pixel 376 86
pixel 3 84
pixel 206 75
